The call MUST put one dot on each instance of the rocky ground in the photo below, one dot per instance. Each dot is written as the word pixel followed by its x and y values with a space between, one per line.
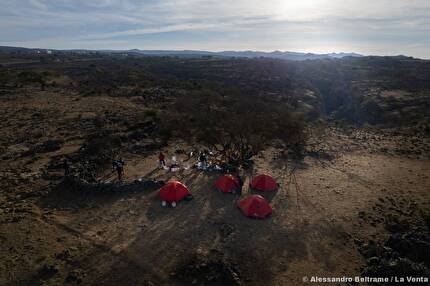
pixel 358 204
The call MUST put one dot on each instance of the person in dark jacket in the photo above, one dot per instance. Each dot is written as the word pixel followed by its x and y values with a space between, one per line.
pixel 239 178
pixel 118 166
pixel 236 172
pixel 66 167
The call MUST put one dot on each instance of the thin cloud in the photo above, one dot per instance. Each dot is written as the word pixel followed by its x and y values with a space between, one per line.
pixel 369 26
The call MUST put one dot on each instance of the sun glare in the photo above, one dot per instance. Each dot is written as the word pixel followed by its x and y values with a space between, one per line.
pixel 300 9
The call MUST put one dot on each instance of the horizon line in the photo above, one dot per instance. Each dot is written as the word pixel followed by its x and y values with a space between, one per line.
pixel 215 51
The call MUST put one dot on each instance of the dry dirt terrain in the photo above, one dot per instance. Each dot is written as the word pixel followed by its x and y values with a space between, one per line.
pixel 358 185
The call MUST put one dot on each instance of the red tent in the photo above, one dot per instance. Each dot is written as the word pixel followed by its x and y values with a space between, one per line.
pixel 227 184
pixel 173 191
pixel 255 206
pixel 264 183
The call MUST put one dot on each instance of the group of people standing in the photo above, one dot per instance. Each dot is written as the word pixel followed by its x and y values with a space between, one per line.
pixel 118 165
pixel 203 159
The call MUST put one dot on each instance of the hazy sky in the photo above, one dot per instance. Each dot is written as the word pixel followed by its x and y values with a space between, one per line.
pixel 383 27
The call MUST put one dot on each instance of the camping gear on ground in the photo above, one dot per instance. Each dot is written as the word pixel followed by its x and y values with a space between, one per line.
pixel 264 183
pixel 173 192
pixel 174 167
pixel 227 184
pixel 255 206
pixel 217 167
pixel 210 167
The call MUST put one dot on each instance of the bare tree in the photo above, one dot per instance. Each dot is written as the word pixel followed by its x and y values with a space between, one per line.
pixel 237 127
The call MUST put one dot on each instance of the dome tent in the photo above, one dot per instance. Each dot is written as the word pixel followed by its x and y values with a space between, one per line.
pixel 255 206
pixel 227 184
pixel 173 192
pixel 264 183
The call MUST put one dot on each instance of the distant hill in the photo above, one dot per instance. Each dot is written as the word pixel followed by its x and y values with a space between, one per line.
pixel 246 54
pixel 295 56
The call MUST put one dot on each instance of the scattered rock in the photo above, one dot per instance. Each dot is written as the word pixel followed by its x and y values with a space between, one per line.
pixel 47 271
pixel 75 276
pixel 49 146
pixel 401 255
pixel 209 272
